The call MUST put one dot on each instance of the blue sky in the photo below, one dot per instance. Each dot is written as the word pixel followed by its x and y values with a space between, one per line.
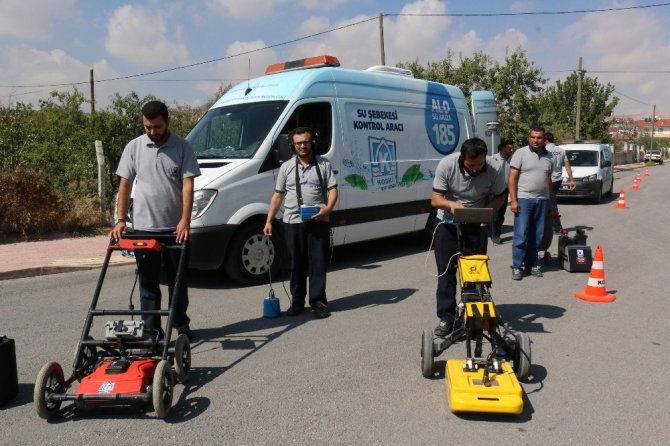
pixel 47 42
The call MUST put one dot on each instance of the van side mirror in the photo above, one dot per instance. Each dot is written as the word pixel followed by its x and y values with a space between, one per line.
pixel 606 163
pixel 281 150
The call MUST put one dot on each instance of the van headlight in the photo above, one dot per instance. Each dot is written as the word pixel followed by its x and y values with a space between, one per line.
pixel 202 199
pixel 590 178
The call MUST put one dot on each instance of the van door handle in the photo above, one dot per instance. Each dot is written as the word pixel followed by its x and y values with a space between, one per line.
pixel 336 172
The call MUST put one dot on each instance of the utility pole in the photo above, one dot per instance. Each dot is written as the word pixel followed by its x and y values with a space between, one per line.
pixel 653 129
pixel 91 83
pixel 381 37
pixel 580 74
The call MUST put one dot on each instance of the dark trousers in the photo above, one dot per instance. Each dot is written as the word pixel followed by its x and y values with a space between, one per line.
pixel 308 244
pixel 446 246
pixel 553 204
pixel 149 270
pixel 499 217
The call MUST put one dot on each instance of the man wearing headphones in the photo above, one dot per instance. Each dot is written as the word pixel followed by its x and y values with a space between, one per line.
pixel 469 179
pixel 307 186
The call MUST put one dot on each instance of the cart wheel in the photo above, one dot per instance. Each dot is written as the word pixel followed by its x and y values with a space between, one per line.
pixel 162 389
pixel 427 353
pixel 522 356
pixel 87 360
pixel 50 380
pixel 182 358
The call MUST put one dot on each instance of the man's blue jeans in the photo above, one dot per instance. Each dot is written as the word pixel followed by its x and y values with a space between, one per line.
pixel 528 231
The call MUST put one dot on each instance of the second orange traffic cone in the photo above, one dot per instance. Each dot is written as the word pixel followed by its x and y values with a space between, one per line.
pixel 635 184
pixel 622 202
pixel 595 288
pixel 646 172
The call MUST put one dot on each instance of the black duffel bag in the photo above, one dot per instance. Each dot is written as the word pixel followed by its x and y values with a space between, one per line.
pixel 9 379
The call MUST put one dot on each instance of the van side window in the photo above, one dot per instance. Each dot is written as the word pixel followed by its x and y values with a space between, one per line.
pixel 318 116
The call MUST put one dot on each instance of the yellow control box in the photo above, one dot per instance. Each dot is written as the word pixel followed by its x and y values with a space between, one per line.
pixel 466 391
pixel 473 269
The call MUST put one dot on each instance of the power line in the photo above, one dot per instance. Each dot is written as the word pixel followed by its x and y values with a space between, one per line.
pixel 511 14
pixel 631 98
pixel 181 67
pixel 288 42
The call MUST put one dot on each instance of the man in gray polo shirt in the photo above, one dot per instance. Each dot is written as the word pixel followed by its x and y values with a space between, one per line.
pixel 529 188
pixel 162 165
pixel 467 179
pixel 306 181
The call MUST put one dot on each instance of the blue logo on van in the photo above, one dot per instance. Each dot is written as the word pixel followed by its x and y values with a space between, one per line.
pixel 383 161
pixel 441 119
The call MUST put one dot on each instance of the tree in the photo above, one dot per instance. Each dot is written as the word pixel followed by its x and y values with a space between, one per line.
pixel 557 108
pixel 16 135
pixel 513 83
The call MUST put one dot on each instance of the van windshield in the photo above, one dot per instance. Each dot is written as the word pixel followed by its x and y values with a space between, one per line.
pixel 234 131
pixel 584 158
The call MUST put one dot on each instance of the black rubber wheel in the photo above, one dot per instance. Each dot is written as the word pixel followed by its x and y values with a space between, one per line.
pixel 599 193
pixel 162 389
pixel 427 353
pixel 611 190
pixel 522 356
pixel 251 254
pixel 50 380
pixel 182 358
pixel 87 360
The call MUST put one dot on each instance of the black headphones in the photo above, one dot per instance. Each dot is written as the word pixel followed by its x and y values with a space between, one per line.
pixel 300 131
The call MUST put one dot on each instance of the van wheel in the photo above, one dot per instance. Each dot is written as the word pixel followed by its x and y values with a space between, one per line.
pixel 599 193
pixel 252 255
pixel 611 189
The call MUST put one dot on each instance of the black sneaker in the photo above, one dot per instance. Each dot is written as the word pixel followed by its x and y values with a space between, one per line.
pixel 443 329
pixel 517 274
pixel 496 240
pixel 185 330
pixel 295 310
pixel 321 310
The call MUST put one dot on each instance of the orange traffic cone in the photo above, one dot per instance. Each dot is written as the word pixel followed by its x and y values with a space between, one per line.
pixel 635 184
pixel 595 288
pixel 646 172
pixel 639 177
pixel 622 202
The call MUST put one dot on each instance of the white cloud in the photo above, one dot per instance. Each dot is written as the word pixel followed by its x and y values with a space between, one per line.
pixel 523 6
pixel 141 36
pixel 465 44
pixel 244 9
pixel 237 69
pixel 320 4
pixel 30 66
pixel 643 47
pixel 358 46
pixel 32 19
pixel 505 43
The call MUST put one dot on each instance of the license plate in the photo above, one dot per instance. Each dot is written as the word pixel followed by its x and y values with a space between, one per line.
pixel 565 187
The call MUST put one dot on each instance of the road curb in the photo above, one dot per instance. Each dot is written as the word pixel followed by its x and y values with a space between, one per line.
pixel 65 267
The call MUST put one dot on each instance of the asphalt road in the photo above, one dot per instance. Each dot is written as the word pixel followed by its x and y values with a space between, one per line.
pixel 598 372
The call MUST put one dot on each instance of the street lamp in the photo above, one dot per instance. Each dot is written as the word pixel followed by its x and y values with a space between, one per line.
pixel 493 127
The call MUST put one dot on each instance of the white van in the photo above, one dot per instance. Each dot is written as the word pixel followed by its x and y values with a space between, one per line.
pixel 592 170
pixel 383 131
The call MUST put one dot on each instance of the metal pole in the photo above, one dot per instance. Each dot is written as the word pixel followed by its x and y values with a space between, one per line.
pixel 653 129
pixel 580 75
pixel 381 37
pixel 91 85
pixel 100 156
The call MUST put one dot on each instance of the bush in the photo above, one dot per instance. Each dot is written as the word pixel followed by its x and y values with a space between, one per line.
pixel 29 203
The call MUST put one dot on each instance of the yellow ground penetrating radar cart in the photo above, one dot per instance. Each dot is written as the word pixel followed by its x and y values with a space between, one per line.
pixel 487 380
